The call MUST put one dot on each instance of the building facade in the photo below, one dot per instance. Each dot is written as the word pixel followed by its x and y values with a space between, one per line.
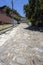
pixel 4 19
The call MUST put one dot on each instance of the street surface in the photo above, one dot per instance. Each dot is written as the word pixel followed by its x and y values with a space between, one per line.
pixel 21 46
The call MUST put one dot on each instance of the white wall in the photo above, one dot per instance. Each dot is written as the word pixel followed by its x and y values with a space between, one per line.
pixel 14 21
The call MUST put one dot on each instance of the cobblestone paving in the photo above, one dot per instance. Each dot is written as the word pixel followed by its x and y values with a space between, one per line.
pixel 25 47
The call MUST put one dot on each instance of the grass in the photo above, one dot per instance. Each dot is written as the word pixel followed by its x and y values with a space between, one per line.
pixel 4 26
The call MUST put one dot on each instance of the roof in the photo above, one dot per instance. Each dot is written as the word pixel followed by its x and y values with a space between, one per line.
pixel 5 19
pixel 2 7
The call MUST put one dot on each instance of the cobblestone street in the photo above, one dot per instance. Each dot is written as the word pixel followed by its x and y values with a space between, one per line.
pixel 22 47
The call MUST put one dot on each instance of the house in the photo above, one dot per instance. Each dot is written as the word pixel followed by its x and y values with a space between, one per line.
pixel 6 15
pixel 4 19
pixel 2 9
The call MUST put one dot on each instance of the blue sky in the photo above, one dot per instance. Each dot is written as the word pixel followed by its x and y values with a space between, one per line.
pixel 18 5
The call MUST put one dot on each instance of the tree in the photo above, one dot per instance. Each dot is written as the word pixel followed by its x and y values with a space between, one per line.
pixel 26 10
pixel 32 10
pixel 29 8
pixel 7 10
pixel 36 10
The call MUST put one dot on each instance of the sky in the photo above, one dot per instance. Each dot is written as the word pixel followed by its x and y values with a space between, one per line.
pixel 18 5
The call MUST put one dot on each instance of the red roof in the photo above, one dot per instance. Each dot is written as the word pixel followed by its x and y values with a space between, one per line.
pixel 5 19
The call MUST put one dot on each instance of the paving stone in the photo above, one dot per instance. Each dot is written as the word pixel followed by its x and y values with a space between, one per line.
pixel 21 46
pixel 21 60
pixel 14 57
pixel 1 64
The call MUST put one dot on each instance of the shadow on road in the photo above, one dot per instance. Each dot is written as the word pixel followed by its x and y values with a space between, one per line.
pixel 34 28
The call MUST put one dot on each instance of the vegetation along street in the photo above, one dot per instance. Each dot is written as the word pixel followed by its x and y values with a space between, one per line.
pixel 21 32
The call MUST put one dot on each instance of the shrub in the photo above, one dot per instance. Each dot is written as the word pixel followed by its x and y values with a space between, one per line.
pixel 33 21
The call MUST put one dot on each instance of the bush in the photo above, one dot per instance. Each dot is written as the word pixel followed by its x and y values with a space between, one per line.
pixel 33 21
pixel 17 18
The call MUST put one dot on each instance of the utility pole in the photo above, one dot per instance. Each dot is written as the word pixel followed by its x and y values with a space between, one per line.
pixel 12 10
pixel 12 6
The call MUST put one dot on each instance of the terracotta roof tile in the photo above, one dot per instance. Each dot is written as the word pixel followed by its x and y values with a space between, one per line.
pixel 5 19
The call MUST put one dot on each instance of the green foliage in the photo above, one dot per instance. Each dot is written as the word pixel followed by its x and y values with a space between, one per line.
pixel 9 11
pixel 41 1
pixel 26 10
pixel 32 10
pixel 14 11
pixel 33 20
pixel 17 18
